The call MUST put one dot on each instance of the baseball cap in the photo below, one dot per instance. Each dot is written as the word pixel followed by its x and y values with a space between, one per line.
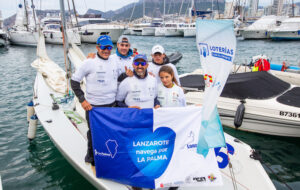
pixel 104 40
pixel 158 49
pixel 140 56
pixel 123 39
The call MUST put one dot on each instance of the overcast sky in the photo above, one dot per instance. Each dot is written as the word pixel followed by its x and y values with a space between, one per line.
pixel 9 7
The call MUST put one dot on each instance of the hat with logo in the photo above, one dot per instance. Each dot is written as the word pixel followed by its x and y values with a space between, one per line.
pixel 158 49
pixel 123 39
pixel 104 40
pixel 140 56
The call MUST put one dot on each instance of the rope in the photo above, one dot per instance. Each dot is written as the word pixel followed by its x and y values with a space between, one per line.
pixel 231 172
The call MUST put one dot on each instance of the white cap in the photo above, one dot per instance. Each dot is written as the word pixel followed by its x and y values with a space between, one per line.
pixel 158 49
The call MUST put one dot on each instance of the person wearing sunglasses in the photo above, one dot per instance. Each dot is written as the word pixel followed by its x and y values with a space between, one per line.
pixel 139 91
pixel 123 56
pixel 159 59
pixel 101 74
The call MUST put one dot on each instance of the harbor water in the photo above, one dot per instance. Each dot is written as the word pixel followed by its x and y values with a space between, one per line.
pixel 39 165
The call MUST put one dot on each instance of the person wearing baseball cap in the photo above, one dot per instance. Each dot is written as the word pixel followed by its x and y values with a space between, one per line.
pixel 101 74
pixel 139 91
pixel 159 59
pixel 123 56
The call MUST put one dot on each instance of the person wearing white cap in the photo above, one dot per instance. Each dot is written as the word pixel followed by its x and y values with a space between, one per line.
pixel 159 59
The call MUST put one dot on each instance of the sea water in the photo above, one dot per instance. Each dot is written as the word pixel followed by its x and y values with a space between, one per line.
pixel 39 165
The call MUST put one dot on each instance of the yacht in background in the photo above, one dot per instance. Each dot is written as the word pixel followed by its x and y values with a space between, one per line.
pixel 259 29
pixel 288 30
pixel 150 30
pixel 189 30
pixel 174 29
pixel 24 32
pixel 3 35
pixel 91 28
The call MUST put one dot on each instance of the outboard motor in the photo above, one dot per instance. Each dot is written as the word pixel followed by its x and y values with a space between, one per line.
pixel 239 114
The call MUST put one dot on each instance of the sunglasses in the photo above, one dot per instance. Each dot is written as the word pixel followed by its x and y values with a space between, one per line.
pixel 140 63
pixel 105 47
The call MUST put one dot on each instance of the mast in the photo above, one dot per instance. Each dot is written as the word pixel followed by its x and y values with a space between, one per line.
pixel 26 15
pixel 143 8
pixel 75 13
pixel 33 12
pixel 70 15
pixel 164 11
pixel 65 43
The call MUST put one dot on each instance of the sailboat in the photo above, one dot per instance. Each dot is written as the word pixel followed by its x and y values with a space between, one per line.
pixel 62 117
pixel 24 32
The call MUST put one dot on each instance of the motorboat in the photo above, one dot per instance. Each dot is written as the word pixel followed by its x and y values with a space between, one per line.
pixel 259 29
pixel 91 28
pixel 252 101
pixel 24 32
pixel 288 30
pixel 189 30
pixel 53 34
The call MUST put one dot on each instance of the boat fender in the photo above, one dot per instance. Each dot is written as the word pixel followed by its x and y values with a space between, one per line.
pixel 32 127
pixel 55 106
pixel 30 110
pixel 239 115
pixel 51 35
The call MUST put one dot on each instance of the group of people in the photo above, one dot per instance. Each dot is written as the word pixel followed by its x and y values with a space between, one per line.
pixel 126 80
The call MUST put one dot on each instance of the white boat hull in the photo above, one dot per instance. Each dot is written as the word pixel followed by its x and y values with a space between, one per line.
pixel 148 31
pixel 91 34
pixel 285 35
pixel 136 31
pixel 255 34
pixel 2 42
pixel 189 32
pixel 160 31
pixel 24 38
pixel 56 37
pixel 173 32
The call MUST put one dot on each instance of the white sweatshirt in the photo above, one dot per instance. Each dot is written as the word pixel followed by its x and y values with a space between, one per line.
pixel 101 80
pixel 171 97
pixel 122 62
pixel 138 92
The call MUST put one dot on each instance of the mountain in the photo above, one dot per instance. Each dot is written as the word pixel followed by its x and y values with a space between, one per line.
pixel 153 8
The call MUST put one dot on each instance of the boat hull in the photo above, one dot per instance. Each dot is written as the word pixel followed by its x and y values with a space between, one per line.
pixel 24 38
pixel 261 116
pixel 90 35
pixel 148 31
pixel 255 34
pixel 160 31
pixel 189 32
pixel 285 35
pixel 173 32
pixel 56 37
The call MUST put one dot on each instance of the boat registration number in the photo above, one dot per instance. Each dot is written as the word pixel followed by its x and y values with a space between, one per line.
pixel 289 114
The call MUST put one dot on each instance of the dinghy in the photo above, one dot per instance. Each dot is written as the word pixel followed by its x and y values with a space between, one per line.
pixel 252 101
pixel 62 117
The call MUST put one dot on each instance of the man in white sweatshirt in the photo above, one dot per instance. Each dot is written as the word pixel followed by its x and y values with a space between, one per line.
pixel 139 91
